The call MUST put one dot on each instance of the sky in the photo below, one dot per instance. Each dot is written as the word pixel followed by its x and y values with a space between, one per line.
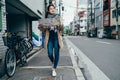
pixel 70 9
pixel 82 2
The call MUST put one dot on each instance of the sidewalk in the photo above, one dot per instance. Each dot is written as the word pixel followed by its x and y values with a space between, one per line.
pixel 39 67
pixel 2 71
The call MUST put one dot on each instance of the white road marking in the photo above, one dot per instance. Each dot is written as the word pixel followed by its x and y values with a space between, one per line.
pixel 103 42
pixel 93 70
pixel 43 67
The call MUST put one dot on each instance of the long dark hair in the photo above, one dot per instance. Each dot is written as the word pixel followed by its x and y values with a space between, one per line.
pixel 50 6
pixel 48 9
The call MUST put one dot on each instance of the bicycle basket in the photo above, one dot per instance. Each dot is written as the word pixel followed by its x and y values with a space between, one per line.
pixel 9 40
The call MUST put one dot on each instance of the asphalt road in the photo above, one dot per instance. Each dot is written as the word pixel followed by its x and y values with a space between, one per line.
pixel 105 53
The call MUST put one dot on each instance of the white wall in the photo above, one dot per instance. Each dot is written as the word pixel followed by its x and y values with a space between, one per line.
pixel 83 24
pixel 37 37
pixel 35 5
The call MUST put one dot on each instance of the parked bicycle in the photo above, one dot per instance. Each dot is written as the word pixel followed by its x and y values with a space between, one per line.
pixel 18 48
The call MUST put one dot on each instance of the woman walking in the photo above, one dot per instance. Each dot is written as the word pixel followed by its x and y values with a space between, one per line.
pixel 53 40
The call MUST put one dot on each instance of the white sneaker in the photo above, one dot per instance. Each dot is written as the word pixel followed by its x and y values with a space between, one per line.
pixel 54 74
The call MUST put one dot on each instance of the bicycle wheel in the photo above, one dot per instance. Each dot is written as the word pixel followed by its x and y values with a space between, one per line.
pixel 10 62
pixel 31 45
pixel 23 54
pixel 26 46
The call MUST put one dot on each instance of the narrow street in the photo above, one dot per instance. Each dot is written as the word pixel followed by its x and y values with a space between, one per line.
pixel 104 53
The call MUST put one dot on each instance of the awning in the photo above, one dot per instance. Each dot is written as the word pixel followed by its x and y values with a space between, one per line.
pixel 17 7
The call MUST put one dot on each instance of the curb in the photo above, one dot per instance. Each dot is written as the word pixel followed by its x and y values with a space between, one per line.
pixel 94 72
pixel 78 72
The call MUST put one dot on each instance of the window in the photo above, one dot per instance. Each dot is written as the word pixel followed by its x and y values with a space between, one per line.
pixel 106 5
pixel 81 26
pixel 98 5
pixel 81 20
pixel 98 19
pixel 119 11
pixel 113 0
pixel 0 19
pixel 106 17
pixel 114 13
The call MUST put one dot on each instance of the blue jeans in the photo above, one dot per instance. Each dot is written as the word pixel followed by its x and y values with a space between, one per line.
pixel 43 41
pixel 53 45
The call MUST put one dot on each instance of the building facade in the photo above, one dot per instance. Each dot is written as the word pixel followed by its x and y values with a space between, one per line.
pixel 82 14
pixel 106 18
pixel 99 18
pixel 114 18
pixel 83 23
pixel 91 28
pixel 79 24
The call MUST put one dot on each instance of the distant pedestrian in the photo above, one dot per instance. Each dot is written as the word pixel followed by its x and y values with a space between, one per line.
pixel 53 39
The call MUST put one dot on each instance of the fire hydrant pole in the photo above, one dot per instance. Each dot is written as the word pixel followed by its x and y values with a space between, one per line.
pixel 117 19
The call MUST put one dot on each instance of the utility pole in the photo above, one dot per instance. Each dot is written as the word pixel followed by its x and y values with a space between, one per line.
pixel 60 8
pixel 60 3
pixel 91 14
pixel 95 31
pixel 90 32
pixel 117 19
pixel 45 7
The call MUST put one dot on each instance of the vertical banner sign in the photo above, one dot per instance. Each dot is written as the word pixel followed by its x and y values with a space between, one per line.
pixel 36 34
